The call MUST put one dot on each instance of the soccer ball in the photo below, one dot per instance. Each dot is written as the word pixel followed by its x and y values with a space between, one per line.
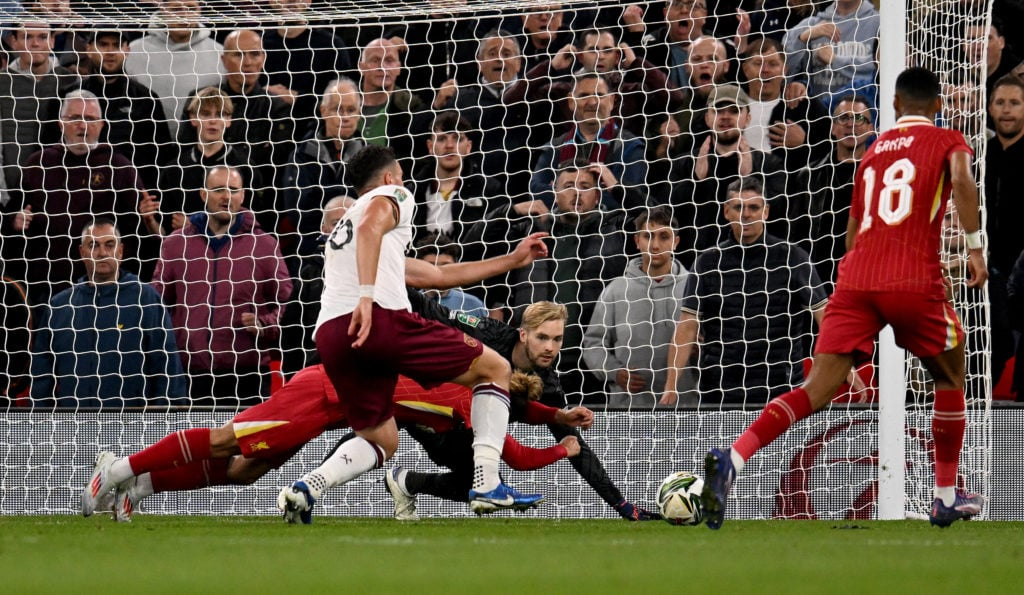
pixel 679 498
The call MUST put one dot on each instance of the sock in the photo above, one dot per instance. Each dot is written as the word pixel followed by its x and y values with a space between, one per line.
pixel 777 417
pixel 947 495
pixel 452 485
pixel 948 422
pixel 489 418
pixel 174 450
pixel 198 474
pixel 143 486
pixel 352 459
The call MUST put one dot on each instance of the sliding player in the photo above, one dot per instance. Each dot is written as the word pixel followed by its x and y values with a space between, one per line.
pixel 267 435
pixel 418 273
pixel 891 275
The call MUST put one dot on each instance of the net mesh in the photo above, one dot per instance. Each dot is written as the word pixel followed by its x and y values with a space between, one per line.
pixel 270 103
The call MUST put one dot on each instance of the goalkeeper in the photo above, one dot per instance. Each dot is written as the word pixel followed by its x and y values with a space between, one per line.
pixel 533 348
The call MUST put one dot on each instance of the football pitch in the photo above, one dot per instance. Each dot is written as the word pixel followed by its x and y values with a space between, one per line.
pixel 170 554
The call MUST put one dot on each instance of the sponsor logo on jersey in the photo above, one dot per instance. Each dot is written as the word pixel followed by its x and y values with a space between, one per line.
pixel 467 319
pixel 401 194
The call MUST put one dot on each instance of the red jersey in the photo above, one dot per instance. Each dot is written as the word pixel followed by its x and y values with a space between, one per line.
pixel 899 197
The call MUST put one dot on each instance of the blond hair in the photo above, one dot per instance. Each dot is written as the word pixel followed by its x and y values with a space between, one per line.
pixel 211 97
pixel 538 313
pixel 528 385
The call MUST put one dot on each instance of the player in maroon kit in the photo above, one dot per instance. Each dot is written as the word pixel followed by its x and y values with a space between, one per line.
pixel 267 435
pixel 891 275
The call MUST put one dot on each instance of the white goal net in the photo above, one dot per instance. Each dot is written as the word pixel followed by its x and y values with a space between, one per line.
pixel 589 121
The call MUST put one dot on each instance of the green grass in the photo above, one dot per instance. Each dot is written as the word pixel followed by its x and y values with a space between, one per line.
pixel 65 554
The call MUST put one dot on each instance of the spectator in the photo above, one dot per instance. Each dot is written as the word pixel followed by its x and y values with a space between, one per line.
pixel 626 344
pixel 317 172
pixel 1015 303
pixel 708 67
pixel 30 92
pixel 106 341
pixel 595 137
pixel 301 60
pixel 665 149
pixel 387 110
pixel 1002 201
pixel 795 131
pixel 499 124
pixel 830 191
pixel 209 113
pixel 642 89
pixel 722 156
pixel 834 51
pixel 450 191
pixel 588 250
pixel 224 281
pixel 747 305
pixel 438 249
pixel 774 17
pixel 543 33
pixel 177 56
pixel 298 349
pixel 985 46
pixel 64 187
pixel 136 124
pixel 668 48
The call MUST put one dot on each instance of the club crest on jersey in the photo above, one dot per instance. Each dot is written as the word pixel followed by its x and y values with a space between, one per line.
pixel 261 445
pixel 469 340
pixel 467 319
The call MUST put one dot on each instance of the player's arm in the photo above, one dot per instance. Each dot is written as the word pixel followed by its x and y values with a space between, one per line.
pixel 679 352
pixel 525 458
pixel 380 217
pixel 423 275
pixel 965 198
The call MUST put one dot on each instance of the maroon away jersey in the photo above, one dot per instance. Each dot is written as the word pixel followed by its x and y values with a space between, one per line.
pixel 899 197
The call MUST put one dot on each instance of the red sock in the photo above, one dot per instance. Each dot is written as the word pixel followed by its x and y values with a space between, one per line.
pixel 192 476
pixel 948 421
pixel 780 413
pixel 173 450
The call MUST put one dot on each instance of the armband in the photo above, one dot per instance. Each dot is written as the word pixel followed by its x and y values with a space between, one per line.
pixel 366 291
pixel 974 240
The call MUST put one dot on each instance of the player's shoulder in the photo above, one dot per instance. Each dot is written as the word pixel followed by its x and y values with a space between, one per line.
pixel 399 193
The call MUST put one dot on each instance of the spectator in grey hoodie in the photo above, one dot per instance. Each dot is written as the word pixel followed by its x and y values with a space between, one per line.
pixel 176 57
pixel 835 51
pixel 626 344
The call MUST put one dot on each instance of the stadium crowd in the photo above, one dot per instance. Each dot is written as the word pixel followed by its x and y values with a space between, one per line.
pixel 167 192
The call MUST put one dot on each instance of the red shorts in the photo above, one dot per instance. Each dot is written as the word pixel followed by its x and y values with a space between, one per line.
pixel 924 325
pixel 400 342
pixel 304 408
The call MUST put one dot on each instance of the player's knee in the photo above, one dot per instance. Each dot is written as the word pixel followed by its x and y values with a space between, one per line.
pixel 223 442
pixel 492 367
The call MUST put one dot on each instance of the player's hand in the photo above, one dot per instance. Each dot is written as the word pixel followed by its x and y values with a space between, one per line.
pixel 361 322
pixel 23 219
pixel 669 397
pixel 976 268
pixel 251 324
pixel 577 417
pixel 571 445
pixel 630 381
pixel 530 249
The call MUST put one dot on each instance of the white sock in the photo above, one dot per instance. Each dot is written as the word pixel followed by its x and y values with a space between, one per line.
pixel 143 486
pixel 737 460
pixel 400 480
pixel 352 459
pixel 947 495
pixel 489 418
pixel 120 471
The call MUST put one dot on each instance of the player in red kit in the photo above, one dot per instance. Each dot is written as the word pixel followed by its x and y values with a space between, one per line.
pixel 265 436
pixel 891 275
